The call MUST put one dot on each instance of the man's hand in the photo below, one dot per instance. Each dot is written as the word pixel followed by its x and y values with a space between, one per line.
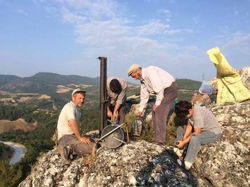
pixel 180 144
pixel 109 113
pixel 139 114
pixel 154 107
pixel 85 140
pixel 115 115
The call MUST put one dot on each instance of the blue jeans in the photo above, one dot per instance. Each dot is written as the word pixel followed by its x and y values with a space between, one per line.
pixel 196 141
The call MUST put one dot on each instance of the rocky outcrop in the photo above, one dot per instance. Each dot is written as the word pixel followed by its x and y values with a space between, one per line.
pixel 135 164
pixel 223 163
pixel 227 162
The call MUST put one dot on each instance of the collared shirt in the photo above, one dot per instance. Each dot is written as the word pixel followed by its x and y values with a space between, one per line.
pixel 113 97
pixel 154 80
pixel 69 111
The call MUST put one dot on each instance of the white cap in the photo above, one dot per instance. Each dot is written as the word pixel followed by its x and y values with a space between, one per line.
pixel 78 90
pixel 132 69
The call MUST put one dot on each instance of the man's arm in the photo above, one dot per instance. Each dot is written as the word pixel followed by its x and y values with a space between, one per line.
pixel 187 135
pixel 188 131
pixel 120 99
pixel 74 126
pixel 144 96
pixel 115 113
pixel 122 95
pixel 109 113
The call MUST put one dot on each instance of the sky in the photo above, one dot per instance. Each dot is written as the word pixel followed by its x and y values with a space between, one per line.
pixel 67 36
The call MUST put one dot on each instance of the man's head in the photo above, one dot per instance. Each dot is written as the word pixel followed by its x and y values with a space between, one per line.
pixel 78 97
pixel 115 86
pixel 183 109
pixel 135 72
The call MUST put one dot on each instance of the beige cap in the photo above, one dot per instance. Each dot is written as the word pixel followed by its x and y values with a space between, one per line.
pixel 132 69
pixel 78 90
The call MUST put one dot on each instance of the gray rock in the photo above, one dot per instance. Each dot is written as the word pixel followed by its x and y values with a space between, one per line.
pixel 223 163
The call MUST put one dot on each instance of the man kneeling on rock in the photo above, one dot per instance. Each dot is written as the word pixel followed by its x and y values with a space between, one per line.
pixel 71 142
pixel 202 128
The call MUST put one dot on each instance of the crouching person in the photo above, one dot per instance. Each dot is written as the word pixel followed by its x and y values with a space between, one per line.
pixel 70 140
pixel 202 128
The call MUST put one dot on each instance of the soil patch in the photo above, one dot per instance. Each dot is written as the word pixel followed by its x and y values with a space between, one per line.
pixel 20 124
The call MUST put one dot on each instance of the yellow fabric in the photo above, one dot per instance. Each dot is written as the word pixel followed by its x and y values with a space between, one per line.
pixel 230 86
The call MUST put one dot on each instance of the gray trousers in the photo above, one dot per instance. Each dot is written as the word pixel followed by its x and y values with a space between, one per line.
pixel 79 148
pixel 159 117
pixel 195 142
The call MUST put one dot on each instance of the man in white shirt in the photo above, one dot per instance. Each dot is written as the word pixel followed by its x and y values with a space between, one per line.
pixel 116 91
pixel 71 142
pixel 156 81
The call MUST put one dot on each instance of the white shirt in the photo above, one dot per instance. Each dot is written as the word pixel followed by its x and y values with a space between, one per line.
pixel 155 80
pixel 69 111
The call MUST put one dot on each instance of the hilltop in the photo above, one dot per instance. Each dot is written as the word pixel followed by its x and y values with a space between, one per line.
pixel 38 100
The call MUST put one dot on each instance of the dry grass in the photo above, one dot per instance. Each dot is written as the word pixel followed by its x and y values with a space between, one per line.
pixel 7 125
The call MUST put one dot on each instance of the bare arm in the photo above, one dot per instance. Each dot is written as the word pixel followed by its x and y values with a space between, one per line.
pixel 75 129
pixel 115 113
pixel 188 131
pixel 187 135
pixel 109 113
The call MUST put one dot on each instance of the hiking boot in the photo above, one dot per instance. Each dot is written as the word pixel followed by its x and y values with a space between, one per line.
pixel 65 151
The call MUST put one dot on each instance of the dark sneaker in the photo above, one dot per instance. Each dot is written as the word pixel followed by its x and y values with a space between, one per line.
pixel 64 151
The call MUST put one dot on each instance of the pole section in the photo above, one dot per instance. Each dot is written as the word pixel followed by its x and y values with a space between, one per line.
pixel 103 93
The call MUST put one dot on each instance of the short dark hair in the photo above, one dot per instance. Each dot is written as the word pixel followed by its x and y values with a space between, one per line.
pixel 182 109
pixel 115 85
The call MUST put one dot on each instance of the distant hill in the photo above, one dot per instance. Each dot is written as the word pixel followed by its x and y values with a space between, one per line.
pixel 5 79
pixel 57 89
pixel 188 84
pixel 56 79
pixel 42 82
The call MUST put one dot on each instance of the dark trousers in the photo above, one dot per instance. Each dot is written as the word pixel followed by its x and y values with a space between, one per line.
pixel 159 117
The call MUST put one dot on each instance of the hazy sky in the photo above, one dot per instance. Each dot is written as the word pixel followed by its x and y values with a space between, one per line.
pixel 67 36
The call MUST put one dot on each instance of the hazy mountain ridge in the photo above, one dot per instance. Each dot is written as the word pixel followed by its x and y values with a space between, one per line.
pixel 5 79
pixel 44 82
